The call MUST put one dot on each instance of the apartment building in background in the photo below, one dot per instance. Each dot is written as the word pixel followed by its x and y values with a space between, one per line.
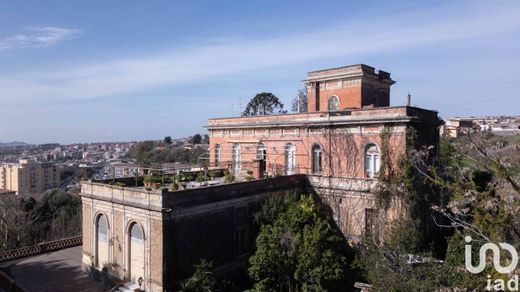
pixel 28 176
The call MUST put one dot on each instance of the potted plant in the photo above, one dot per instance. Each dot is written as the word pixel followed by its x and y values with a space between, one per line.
pixel 174 186
pixel 152 182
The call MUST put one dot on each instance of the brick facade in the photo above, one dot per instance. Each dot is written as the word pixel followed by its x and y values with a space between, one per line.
pixel 346 141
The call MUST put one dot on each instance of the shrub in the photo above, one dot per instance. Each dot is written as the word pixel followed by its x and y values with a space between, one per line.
pixel 216 173
pixel 200 177
pixel 229 178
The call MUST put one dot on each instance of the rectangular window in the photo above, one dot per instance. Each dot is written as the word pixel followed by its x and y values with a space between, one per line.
pixel 371 223
pixel 241 240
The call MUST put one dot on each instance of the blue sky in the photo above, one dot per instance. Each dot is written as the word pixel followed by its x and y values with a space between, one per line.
pixel 85 71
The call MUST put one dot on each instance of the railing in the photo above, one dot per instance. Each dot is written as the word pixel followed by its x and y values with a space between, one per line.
pixel 40 248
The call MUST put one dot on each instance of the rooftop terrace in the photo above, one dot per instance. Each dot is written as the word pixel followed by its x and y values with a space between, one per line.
pixel 53 271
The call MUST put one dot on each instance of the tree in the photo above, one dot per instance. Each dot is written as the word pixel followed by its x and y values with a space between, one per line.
pixel 196 139
pixel 202 279
pixel 25 221
pixel 141 151
pixel 168 140
pixel 472 189
pixel 299 103
pixel 264 103
pixel 299 250
pixel 206 139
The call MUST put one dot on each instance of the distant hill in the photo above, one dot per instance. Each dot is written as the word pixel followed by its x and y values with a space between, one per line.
pixel 12 144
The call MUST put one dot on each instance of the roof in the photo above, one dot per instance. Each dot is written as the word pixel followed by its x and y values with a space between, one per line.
pixel 348 72
pixel 397 114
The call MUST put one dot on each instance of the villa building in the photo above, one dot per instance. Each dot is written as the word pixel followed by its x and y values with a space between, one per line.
pixel 337 143
pixel 335 150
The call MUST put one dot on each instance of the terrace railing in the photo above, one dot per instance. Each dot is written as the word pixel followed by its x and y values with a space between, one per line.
pixel 40 248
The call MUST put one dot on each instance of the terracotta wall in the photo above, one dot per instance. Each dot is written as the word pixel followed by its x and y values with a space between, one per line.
pixel 343 148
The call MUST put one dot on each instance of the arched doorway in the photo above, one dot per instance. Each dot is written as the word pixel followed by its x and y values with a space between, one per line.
pixel 218 153
pixel 102 241
pixel 290 159
pixel 236 159
pixel 372 163
pixel 135 252
pixel 261 151
pixel 317 157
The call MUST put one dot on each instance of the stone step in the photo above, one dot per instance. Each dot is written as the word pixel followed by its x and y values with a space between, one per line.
pixel 128 287
pixel 131 286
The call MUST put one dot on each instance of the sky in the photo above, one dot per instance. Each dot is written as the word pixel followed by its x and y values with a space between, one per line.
pixel 125 70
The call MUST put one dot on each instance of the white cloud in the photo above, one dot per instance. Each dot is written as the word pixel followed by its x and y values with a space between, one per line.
pixel 38 37
pixel 195 63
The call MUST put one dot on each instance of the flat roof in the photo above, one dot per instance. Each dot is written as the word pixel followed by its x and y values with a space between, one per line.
pixel 350 116
pixel 341 67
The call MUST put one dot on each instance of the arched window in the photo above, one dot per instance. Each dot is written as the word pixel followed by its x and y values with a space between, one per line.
pixel 333 103
pixel 372 160
pixel 135 253
pixel 317 155
pixel 261 151
pixel 218 155
pixel 101 241
pixel 290 159
pixel 236 159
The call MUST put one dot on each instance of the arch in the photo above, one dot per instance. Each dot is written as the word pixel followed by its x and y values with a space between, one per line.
pixel 218 154
pixel 102 241
pixel 372 160
pixel 261 151
pixel 316 159
pixel 290 159
pixel 333 103
pixel 136 250
pixel 236 159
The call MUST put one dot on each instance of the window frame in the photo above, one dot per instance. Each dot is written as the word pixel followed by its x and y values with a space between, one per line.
pixel 372 161
pixel 316 161
pixel 329 103
pixel 218 154
pixel 290 160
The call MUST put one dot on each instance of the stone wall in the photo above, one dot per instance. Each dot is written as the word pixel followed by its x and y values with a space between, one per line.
pixel 180 227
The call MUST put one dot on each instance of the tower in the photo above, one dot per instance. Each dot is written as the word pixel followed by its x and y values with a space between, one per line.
pixel 349 87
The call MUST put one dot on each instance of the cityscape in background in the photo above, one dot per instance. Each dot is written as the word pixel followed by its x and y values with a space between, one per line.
pixel 259 146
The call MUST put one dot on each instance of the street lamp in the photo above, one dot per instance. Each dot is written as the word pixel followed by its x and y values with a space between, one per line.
pixel 140 282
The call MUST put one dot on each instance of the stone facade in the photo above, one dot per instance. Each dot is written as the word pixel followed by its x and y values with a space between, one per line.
pixel 179 228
